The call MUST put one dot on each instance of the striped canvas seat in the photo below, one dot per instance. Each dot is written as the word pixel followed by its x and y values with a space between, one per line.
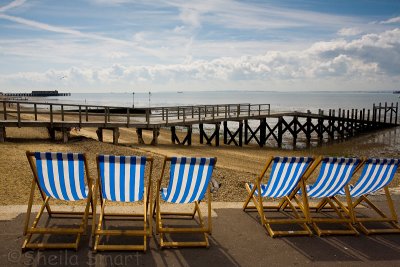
pixel 376 174
pixel 61 175
pixel 189 182
pixel 189 179
pixel 335 173
pixel 58 176
pixel 122 177
pixel 285 179
pixel 285 175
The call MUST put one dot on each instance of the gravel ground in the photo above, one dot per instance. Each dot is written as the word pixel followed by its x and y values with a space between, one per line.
pixel 235 166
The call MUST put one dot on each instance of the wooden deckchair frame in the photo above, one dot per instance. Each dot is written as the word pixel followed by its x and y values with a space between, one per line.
pixel 30 231
pixel 345 213
pixel 203 228
pixel 391 220
pixel 98 231
pixel 261 207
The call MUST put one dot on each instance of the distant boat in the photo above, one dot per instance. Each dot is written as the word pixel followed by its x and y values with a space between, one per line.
pixel 396 92
pixel 180 92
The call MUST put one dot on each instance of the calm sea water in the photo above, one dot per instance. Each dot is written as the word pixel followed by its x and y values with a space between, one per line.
pixel 280 101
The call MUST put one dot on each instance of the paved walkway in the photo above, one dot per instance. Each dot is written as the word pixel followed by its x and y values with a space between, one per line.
pixel 238 239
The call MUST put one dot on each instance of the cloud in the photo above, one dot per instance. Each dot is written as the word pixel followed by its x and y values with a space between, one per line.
pixel 349 31
pixel 12 5
pixel 391 21
pixel 371 57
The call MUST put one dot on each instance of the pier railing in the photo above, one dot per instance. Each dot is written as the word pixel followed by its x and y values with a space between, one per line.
pixel 23 112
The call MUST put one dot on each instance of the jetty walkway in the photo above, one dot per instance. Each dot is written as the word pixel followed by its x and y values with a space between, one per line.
pixel 242 123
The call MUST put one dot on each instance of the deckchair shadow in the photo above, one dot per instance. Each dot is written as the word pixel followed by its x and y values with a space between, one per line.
pixel 122 179
pixel 58 176
pixel 285 179
pixel 189 180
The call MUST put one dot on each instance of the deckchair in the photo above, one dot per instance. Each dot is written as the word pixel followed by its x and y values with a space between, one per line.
pixel 189 179
pixel 334 176
pixel 284 181
pixel 122 179
pixel 376 175
pixel 58 176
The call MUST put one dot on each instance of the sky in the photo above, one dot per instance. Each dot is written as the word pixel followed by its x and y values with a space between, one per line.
pixel 181 45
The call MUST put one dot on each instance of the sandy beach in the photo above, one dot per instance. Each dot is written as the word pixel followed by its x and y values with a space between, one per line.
pixel 235 166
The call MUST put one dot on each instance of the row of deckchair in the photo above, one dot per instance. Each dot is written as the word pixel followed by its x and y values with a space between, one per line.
pixel 65 176
pixel 288 182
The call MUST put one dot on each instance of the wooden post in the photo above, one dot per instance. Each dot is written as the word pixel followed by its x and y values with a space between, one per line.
pixel 52 133
pixel 99 133
pixel 173 134
pixel 189 135
pixel 86 113
pixel 62 112
pixel 240 133
pixel 201 130
pixel 166 121
pixel 65 135
pixel 384 118
pixel 80 116
pixel 391 111
pixel 263 132
pixel 308 128
pixel 19 115
pixel 380 108
pixel 217 127
pixel 397 111
pixel 35 109
pixel 115 135
pixel 294 133
pixel 225 132
pixel 280 133
pixel 5 111
pixel 51 115
pixel 162 113
pixel 246 125
pixel 2 134
pixel 139 133
pixel 147 116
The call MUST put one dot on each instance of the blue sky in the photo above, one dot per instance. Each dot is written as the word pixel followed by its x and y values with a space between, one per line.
pixel 121 45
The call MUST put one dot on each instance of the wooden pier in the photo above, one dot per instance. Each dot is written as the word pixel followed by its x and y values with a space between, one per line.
pixel 241 124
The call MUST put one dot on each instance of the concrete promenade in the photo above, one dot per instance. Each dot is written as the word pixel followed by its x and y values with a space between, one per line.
pixel 238 239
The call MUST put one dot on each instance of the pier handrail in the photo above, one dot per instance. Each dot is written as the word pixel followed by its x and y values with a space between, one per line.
pixel 64 112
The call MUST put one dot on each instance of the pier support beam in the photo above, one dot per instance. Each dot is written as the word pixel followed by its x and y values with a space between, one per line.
pixel 156 133
pixel 187 140
pixel 214 135
pixel 232 136
pixel 2 134
pixel 154 141
pixel 115 130
pixel 139 133
pixel 249 134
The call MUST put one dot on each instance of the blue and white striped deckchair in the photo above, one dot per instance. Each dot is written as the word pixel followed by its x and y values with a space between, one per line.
pixel 58 176
pixel 285 179
pixel 334 175
pixel 189 180
pixel 122 179
pixel 376 175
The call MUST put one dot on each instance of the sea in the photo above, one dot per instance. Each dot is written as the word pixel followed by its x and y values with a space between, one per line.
pixel 279 101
